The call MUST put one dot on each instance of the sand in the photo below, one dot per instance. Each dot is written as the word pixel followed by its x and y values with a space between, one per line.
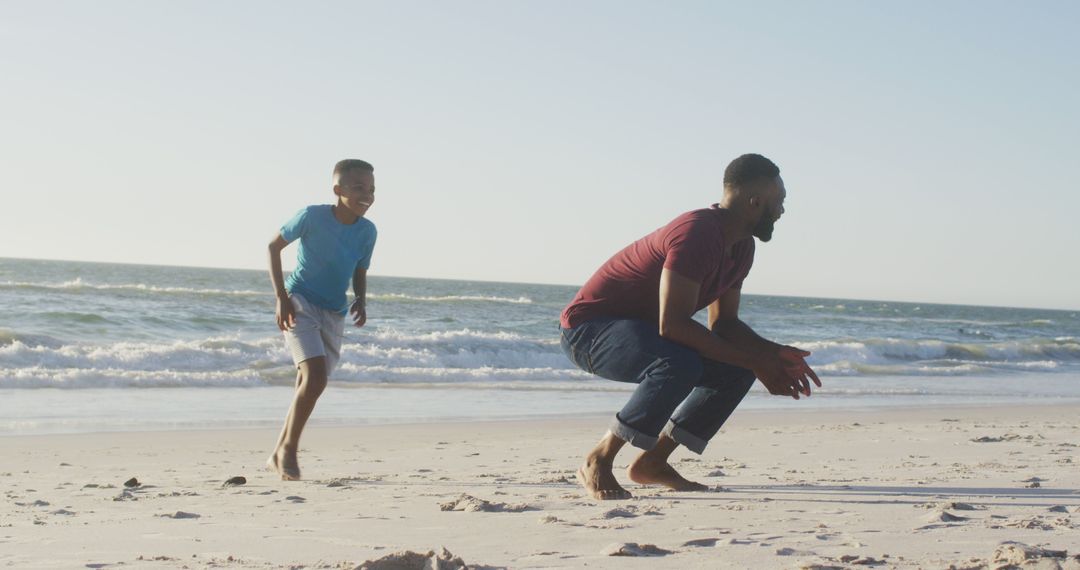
pixel 929 488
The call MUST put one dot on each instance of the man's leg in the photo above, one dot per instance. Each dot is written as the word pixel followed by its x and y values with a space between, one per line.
pixel 596 474
pixel 631 351
pixel 310 385
pixel 699 417
pixel 652 468
pixel 722 388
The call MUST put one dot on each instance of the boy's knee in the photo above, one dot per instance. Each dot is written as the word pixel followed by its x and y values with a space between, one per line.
pixel 313 374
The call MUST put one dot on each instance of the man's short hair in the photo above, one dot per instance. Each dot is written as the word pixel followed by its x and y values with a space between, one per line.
pixel 350 164
pixel 749 168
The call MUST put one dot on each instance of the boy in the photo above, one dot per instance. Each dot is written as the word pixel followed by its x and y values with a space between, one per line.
pixel 336 242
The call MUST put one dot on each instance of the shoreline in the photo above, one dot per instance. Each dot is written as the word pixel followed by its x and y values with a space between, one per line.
pixel 829 414
pixel 43 411
pixel 909 488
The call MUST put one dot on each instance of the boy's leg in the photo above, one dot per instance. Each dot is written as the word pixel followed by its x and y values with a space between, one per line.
pixel 288 417
pixel 311 382
pixel 307 343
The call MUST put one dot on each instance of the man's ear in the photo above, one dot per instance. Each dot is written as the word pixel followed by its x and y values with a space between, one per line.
pixel 337 190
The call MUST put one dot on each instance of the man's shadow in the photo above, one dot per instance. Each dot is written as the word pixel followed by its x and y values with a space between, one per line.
pixel 883 494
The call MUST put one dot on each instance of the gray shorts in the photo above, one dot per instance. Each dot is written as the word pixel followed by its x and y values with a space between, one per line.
pixel 318 332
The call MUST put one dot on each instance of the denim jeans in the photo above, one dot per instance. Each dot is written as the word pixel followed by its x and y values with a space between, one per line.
pixel 679 393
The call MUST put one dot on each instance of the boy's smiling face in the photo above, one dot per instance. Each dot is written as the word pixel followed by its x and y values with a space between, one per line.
pixel 355 190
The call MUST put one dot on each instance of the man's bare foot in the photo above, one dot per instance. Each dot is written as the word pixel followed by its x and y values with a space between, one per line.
pixel 600 483
pixel 661 473
pixel 284 464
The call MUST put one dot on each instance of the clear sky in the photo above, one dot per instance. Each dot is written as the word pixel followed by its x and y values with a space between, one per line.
pixel 930 149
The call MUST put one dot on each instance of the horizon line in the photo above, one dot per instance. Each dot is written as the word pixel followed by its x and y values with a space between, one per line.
pixel 861 300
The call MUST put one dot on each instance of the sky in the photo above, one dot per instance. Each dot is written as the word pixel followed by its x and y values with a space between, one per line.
pixel 929 148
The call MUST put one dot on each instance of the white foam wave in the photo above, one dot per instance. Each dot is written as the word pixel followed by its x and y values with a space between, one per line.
pixel 38 377
pixel 462 356
pixel 349 372
pixel 449 298
pixel 898 351
pixel 78 284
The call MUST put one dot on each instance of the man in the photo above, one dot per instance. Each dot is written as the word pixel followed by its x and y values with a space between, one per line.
pixel 633 322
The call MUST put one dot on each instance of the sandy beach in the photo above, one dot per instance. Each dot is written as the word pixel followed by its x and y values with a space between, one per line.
pixel 927 488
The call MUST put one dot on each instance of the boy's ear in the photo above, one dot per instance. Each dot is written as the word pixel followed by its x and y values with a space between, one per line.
pixel 337 190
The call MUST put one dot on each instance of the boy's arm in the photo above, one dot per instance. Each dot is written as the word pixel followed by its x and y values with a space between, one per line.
pixel 284 311
pixel 359 304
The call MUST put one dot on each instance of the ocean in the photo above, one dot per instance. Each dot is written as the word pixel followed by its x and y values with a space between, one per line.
pixel 91 347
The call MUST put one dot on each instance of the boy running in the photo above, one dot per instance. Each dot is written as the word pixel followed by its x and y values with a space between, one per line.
pixel 336 242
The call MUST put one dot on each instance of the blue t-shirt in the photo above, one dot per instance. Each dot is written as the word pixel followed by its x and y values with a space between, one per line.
pixel 328 253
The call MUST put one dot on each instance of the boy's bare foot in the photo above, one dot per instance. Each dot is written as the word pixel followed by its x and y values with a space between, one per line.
pixel 600 483
pixel 661 473
pixel 284 464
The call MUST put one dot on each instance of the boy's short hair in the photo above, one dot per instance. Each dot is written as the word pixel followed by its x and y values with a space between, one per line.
pixel 350 164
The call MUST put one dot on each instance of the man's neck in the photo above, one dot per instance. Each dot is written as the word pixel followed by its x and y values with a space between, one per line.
pixel 736 226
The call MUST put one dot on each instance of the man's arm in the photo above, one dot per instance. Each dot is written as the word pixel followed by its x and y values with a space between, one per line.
pixel 780 368
pixel 284 311
pixel 678 299
pixel 724 322
pixel 359 304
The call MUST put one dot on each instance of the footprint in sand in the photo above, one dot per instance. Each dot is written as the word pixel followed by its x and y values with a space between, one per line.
pixel 793 552
pixel 1017 554
pixel 180 515
pixel 634 549
pixel 702 542
pixel 940 518
pixel 409 560
pixel 469 503
pixel 618 513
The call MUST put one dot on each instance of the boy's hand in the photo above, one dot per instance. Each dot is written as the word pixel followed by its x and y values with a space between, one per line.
pixel 284 312
pixel 358 312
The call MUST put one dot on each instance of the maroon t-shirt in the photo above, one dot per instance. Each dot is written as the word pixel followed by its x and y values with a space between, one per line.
pixel 692 245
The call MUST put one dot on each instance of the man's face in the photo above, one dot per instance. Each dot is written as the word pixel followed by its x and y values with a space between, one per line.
pixel 357 190
pixel 772 196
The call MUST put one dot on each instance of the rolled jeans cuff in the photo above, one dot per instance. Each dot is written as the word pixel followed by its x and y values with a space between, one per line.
pixel 685 438
pixel 632 436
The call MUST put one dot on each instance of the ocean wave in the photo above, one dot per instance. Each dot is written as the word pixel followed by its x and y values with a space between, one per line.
pixel 78 284
pixel 74 378
pixel 208 355
pixel 894 351
pixel 448 298
pixel 462 356
pixel 349 372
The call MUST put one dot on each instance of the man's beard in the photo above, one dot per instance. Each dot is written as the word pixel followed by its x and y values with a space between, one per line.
pixel 764 228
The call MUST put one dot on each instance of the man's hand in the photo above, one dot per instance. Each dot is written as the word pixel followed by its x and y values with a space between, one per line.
pixel 284 313
pixel 798 368
pixel 786 373
pixel 358 310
